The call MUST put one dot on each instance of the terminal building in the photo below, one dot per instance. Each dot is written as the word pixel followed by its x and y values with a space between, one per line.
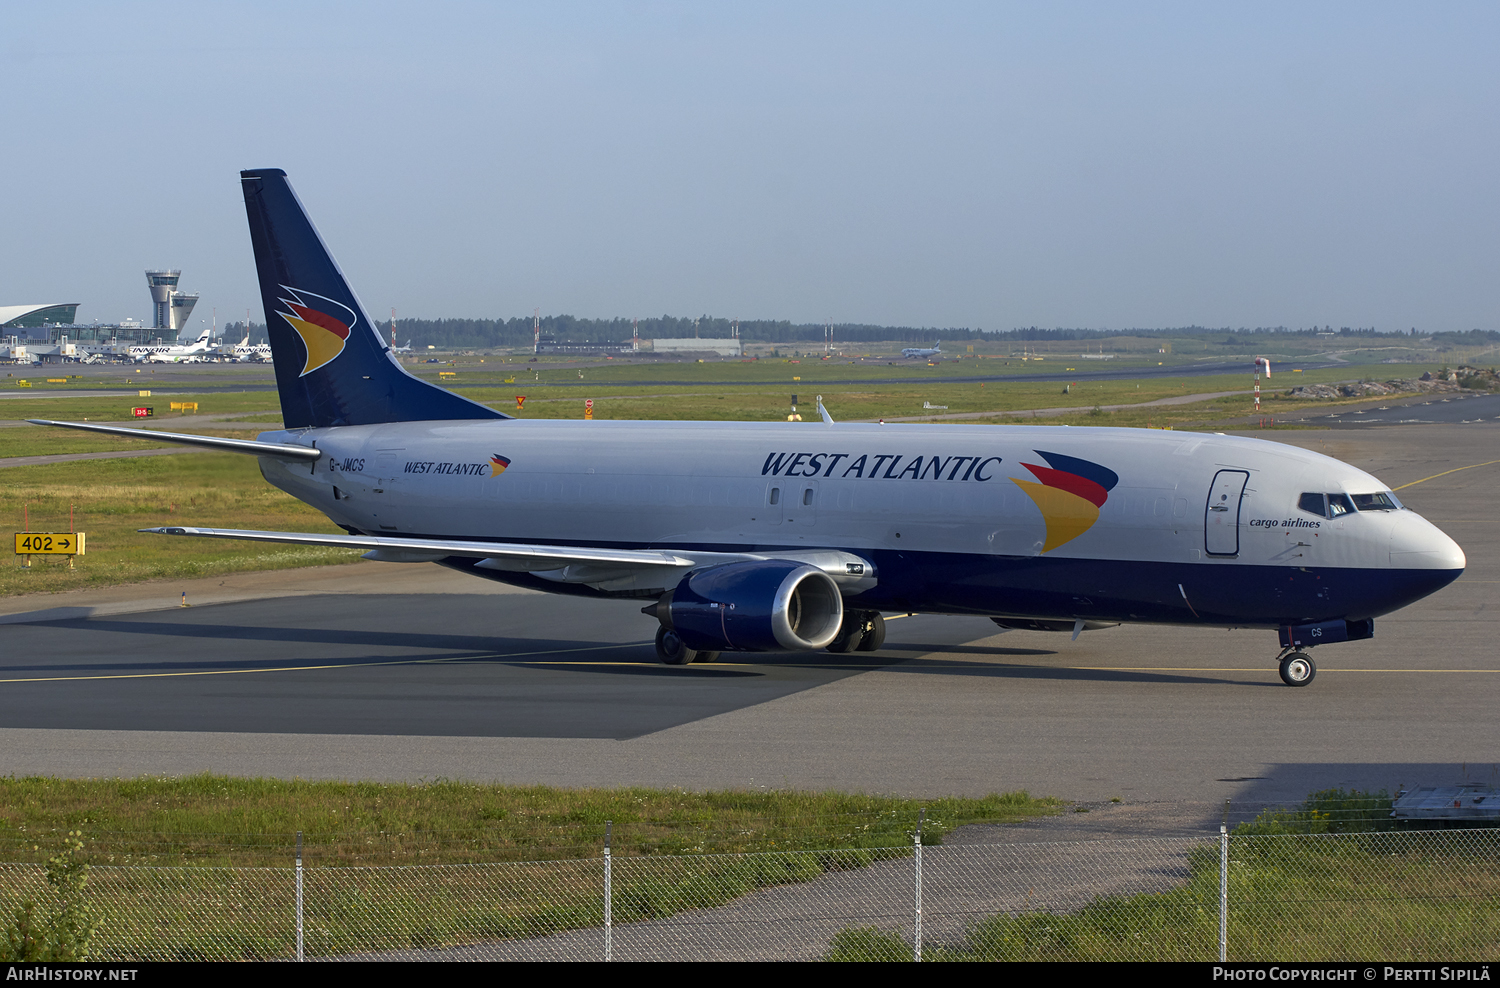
pixel 730 347
pixel 571 348
pixel 14 318
pixel 57 322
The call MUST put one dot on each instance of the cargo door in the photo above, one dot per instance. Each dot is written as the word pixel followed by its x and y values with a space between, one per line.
pixel 801 502
pixel 775 496
pixel 1221 520
pixel 388 465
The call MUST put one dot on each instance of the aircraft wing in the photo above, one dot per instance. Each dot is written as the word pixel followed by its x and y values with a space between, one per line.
pixel 281 451
pixel 602 568
pixel 419 550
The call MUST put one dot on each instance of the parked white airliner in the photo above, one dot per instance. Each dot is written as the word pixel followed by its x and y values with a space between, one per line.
pixel 243 352
pixel 173 353
pixel 794 537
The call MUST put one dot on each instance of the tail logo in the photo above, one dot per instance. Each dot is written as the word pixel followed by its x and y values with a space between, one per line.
pixel 1070 493
pixel 322 323
pixel 498 464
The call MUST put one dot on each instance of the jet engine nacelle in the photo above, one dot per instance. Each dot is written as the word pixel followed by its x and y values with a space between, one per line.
pixel 770 605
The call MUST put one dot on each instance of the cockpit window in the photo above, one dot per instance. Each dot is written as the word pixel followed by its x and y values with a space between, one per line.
pixel 1314 504
pixel 1384 501
pixel 1333 505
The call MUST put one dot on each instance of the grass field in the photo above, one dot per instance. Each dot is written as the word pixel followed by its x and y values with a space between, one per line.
pixel 771 373
pixel 200 867
pixel 1336 879
pixel 874 399
pixel 891 402
pixel 1383 897
pixel 221 821
pixel 99 408
pixel 871 397
pixel 29 440
pixel 127 380
pixel 47 441
pixel 112 498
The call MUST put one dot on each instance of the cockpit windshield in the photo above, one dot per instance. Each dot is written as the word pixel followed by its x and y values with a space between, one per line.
pixel 1384 501
pixel 1334 505
pixel 1314 504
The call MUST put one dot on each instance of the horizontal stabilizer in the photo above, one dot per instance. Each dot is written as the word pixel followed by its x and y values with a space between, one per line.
pixel 281 451
pixel 558 555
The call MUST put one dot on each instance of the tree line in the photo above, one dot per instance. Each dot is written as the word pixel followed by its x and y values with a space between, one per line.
pixel 475 334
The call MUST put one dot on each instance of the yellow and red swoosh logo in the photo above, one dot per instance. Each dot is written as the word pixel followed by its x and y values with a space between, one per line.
pixel 322 323
pixel 1070 493
pixel 498 464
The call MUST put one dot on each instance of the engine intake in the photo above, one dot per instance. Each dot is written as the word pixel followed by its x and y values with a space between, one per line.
pixel 772 605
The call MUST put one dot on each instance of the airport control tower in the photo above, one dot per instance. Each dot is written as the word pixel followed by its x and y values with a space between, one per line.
pixel 170 309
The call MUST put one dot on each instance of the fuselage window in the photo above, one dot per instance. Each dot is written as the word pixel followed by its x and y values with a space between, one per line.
pixel 1338 504
pixel 776 495
pixel 1315 504
pixel 807 496
pixel 1376 502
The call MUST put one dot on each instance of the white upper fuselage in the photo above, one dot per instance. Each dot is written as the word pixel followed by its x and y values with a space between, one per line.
pixel 937 488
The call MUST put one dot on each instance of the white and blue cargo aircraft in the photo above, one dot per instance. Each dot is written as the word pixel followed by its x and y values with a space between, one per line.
pixel 771 537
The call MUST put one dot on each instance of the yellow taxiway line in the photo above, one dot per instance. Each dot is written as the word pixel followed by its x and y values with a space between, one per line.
pixel 513 660
pixel 336 665
pixel 1257 669
pixel 1445 473
pixel 367 665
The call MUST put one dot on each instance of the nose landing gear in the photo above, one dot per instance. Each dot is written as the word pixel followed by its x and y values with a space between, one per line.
pixel 1297 668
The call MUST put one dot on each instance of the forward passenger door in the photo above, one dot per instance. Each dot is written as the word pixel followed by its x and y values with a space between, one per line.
pixel 1221 516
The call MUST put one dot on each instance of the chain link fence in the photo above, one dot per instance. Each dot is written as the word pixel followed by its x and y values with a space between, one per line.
pixel 1412 895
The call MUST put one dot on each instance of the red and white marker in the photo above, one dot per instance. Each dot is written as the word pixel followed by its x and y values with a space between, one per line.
pixel 1259 362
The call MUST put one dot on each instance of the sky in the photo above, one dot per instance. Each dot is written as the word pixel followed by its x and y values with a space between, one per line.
pixel 989 165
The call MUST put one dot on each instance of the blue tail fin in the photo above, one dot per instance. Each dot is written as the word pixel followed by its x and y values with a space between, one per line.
pixel 332 368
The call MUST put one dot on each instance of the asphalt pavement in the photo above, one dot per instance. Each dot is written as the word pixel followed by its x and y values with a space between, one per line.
pixel 384 671
pixel 1455 409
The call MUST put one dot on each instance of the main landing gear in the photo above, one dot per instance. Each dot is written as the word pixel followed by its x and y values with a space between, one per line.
pixel 1297 668
pixel 671 650
pixel 862 631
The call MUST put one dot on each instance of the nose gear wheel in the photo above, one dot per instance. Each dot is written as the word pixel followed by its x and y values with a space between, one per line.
pixel 1298 669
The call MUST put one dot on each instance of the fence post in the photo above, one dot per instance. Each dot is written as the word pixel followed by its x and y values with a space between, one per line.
pixel 917 937
pixel 299 895
pixel 1224 885
pixel 609 933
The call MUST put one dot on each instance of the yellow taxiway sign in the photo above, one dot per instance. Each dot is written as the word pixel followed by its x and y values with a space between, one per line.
pixel 49 543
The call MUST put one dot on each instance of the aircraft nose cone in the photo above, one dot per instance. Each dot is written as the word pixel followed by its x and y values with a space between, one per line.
pixel 1417 543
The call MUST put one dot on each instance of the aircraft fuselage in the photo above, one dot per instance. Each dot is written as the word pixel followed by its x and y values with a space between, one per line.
pixel 1172 527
